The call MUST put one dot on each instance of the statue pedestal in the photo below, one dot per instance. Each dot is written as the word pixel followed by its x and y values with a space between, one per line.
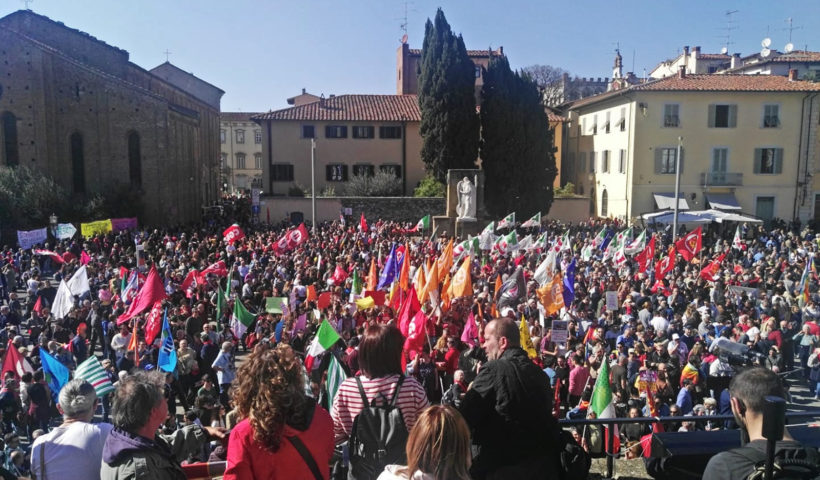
pixel 467 226
pixel 476 219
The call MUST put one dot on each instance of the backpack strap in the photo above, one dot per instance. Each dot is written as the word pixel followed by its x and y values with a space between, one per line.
pixel 396 392
pixel 361 391
pixel 306 456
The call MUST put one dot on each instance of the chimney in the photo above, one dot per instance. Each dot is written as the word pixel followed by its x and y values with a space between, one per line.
pixel 501 50
pixel 685 50
pixel 696 50
pixel 682 72
pixel 303 91
pixel 792 74
pixel 735 61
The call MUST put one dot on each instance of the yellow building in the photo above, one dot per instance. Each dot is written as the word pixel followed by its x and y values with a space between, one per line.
pixel 748 143
pixel 354 135
pixel 240 159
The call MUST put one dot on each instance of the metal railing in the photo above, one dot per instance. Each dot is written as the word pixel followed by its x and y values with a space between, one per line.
pixel 611 422
pixel 721 179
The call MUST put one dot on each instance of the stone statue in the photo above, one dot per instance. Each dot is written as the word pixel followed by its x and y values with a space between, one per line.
pixel 466 199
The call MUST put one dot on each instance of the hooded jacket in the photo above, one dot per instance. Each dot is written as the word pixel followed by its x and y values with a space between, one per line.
pixel 133 457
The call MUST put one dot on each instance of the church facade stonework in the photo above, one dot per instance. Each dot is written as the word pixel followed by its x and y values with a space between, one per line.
pixel 81 112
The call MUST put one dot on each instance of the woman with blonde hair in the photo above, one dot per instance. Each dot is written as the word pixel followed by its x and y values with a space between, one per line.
pixel 283 433
pixel 438 448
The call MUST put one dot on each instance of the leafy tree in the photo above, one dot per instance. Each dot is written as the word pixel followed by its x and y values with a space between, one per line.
pixel 449 123
pixel 116 200
pixel 28 197
pixel 429 187
pixel 516 145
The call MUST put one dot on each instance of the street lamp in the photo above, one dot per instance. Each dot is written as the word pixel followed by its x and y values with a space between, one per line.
pixel 52 221
pixel 677 190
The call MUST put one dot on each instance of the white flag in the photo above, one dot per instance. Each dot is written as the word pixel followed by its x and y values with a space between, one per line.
pixel 78 284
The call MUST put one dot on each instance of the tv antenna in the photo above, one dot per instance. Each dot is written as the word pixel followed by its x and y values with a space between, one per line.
pixel 791 28
pixel 404 23
pixel 27 3
pixel 730 25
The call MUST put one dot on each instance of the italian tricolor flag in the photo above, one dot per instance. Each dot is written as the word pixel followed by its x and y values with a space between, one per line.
pixel 601 403
pixel 241 319
pixel 508 221
pixel 325 337
pixel 423 224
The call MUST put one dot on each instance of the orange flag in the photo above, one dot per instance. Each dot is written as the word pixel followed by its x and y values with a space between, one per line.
pixel 446 293
pixel 445 260
pixel 462 283
pixel 419 282
pixel 311 293
pixel 431 287
pixel 551 294
pixel 493 310
pixel 404 274
pixel 372 277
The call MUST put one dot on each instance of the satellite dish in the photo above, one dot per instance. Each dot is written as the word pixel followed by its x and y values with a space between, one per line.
pixel 789 48
pixel 404 38
pixel 766 43
pixel 724 50
pixel 765 52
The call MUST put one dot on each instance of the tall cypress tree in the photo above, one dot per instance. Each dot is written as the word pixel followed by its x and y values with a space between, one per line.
pixel 516 145
pixel 449 123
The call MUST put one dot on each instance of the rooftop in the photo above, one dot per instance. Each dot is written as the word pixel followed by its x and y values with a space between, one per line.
pixel 352 108
pixel 237 116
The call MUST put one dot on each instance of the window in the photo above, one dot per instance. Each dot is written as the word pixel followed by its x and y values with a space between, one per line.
pixel 771 116
pixel 394 169
pixel 722 116
pixel 134 160
pixel 606 125
pixel 222 136
pixel 605 161
pixel 240 136
pixel 281 172
pixel 223 160
pixel 336 173
pixel 604 203
pixel 336 131
pixel 477 71
pixel 591 162
pixel 768 161
pixel 8 127
pixel 389 132
pixel 665 159
pixel 363 132
pixel 595 124
pixel 257 161
pixel 77 162
pixel 363 170
pixel 257 137
pixel 622 161
pixel 720 160
pixel 671 119
pixel 582 162
pixel 308 131
pixel 240 161
pixel 622 121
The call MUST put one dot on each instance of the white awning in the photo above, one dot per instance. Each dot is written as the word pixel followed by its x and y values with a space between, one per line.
pixel 722 201
pixel 668 217
pixel 665 200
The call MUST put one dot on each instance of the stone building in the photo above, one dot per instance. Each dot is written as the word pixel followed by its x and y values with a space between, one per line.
pixel 241 156
pixel 77 109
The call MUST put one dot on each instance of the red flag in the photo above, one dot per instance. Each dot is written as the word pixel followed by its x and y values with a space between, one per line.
pixel 378 296
pixel 219 269
pixel 690 244
pixel 324 300
pixel 416 333
pixel 711 270
pixel 84 258
pixel 311 294
pixel 646 256
pixel 339 275
pixel 297 236
pixel 190 281
pixel 54 255
pixel 666 264
pixel 38 305
pixel 153 324
pixel 15 363
pixel 233 233
pixel 738 269
pixel 408 310
pixel 363 223
pixel 153 291
pixel 281 245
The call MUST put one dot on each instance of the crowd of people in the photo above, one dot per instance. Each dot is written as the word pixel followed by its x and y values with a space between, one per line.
pixel 467 342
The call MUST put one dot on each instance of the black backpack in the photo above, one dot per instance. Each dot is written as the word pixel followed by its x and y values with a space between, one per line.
pixel 784 468
pixel 573 461
pixel 379 436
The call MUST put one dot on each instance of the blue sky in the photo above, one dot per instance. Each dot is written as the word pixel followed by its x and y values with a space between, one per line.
pixel 263 51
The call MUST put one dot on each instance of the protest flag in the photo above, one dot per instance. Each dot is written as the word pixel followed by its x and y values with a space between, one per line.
pixel 445 261
pixel 233 234
pixel 512 290
pixel 363 223
pixel 408 311
pixel 526 340
pixel 153 323
pixel 372 276
pixel 167 359
pixel 15 363
pixel 92 372
pixel 534 221
pixel 325 337
pixel 601 403
pixel 710 271
pixel 335 376
pixel 423 224
pixel 151 292
pixel 470 331
pixel 241 319
pixel 390 270
pixel 690 244
pixel 507 222
pixel 462 284
pixel 569 284
pixel 56 373
pixel 404 273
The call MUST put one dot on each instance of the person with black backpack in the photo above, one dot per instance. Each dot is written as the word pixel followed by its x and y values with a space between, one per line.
pixel 374 412
pixel 748 391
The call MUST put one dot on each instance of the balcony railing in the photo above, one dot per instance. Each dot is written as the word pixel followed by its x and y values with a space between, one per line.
pixel 721 179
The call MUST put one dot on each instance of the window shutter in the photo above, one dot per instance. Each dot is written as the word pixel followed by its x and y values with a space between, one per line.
pixel 680 163
pixel 344 173
pixel 328 173
pixel 658 153
pixel 758 159
pixel 778 160
pixel 732 116
pixel 712 116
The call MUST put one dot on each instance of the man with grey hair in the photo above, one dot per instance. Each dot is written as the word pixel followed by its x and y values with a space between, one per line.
pixel 74 449
pixel 134 449
pixel 225 369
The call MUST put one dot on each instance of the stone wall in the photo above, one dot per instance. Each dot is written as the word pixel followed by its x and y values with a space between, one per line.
pixel 403 209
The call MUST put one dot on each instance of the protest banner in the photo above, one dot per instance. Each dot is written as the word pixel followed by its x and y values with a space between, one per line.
pixel 65 230
pixel 92 228
pixel 739 291
pixel 612 301
pixel 559 332
pixel 276 304
pixel 28 238
pixel 122 224
pixel 647 380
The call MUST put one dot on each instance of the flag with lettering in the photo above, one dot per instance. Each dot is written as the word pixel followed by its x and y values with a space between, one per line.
pixel 233 234
pixel 167 360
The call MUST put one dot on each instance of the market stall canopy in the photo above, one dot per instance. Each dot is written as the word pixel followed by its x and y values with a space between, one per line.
pixel 667 200
pixel 698 216
pixel 722 201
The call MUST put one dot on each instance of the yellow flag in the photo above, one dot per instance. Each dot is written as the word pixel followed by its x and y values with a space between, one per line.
pixel 462 283
pixel 445 260
pixel 365 303
pixel 526 341
pixel 551 294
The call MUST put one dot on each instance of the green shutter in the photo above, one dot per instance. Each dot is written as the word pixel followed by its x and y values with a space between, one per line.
pixel 658 153
pixel 732 116
pixel 778 160
pixel 712 116
pixel 758 159
pixel 344 173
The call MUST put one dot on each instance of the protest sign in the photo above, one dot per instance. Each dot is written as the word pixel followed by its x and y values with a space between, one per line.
pixel 122 224
pixel 92 228
pixel 65 230
pixel 612 301
pixel 275 304
pixel 28 238
pixel 559 332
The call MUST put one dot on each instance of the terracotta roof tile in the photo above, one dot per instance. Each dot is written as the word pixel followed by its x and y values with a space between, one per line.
pixel 237 116
pixel 352 108
pixel 797 56
pixel 714 56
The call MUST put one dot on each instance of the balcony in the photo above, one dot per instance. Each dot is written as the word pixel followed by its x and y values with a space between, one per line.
pixel 721 179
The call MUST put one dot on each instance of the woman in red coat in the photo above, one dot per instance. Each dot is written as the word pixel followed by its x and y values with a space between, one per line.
pixel 277 419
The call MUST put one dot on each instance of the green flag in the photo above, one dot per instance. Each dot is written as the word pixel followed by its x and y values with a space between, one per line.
pixel 601 401
pixel 335 377
pixel 490 228
pixel 356 289
pixel 508 221
pixel 423 224
pixel 241 319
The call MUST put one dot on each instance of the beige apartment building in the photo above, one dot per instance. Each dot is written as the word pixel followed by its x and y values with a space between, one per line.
pixel 353 134
pixel 749 143
pixel 240 158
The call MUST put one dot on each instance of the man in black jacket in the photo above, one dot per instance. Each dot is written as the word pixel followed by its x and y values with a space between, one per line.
pixel 509 410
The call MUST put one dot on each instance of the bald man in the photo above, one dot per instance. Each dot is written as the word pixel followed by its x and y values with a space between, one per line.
pixel 509 410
